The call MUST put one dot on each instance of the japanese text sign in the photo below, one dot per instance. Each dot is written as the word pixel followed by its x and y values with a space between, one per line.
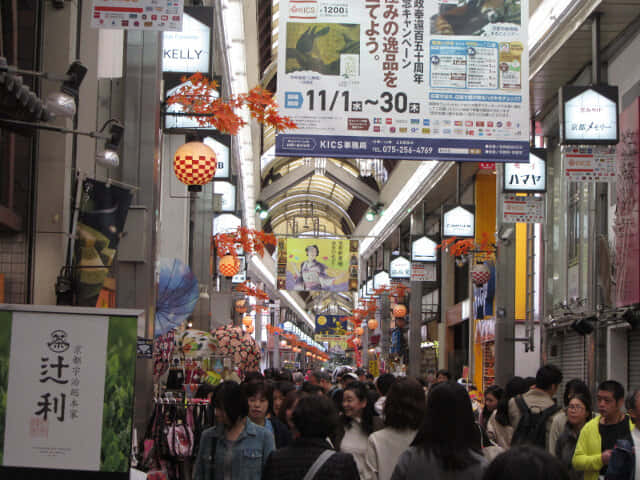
pixel 527 177
pixel 589 115
pixel 589 163
pixel 68 380
pixel 138 15
pixel 428 80
pixel 522 208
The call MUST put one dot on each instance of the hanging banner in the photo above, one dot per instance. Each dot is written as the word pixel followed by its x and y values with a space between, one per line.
pixel 317 264
pixel 627 219
pixel 589 163
pixel 522 208
pixel 333 330
pixel 103 212
pixel 434 80
pixel 67 375
pixel 137 15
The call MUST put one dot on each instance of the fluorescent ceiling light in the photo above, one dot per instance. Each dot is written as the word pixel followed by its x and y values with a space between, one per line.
pixel 545 16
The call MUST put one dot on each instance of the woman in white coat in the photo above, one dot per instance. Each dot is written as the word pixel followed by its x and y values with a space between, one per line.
pixel 403 414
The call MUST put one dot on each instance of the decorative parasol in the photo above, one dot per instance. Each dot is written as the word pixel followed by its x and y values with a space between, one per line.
pixel 238 345
pixel 177 294
pixel 196 343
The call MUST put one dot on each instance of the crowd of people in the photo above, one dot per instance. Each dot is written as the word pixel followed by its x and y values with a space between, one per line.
pixel 288 426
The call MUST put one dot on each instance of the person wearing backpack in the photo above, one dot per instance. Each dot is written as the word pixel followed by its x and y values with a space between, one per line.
pixel 602 435
pixel 533 412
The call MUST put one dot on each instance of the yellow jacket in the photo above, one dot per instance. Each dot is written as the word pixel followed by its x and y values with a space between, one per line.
pixel 588 454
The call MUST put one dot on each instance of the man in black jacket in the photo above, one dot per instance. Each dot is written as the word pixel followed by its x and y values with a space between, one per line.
pixel 315 419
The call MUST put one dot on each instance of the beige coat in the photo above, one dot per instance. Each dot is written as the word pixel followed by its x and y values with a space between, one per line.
pixel 537 400
pixel 498 433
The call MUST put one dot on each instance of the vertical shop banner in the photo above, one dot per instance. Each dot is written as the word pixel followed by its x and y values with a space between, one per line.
pixel 433 80
pixel 103 212
pixel 137 14
pixel 317 264
pixel 68 381
pixel 627 219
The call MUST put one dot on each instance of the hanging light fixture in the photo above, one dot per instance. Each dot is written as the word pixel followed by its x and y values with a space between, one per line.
pixel 228 266
pixel 63 103
pixel 194 164
pixel 372 324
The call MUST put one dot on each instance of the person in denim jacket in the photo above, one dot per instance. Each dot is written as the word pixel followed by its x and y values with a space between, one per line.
pixel 235 448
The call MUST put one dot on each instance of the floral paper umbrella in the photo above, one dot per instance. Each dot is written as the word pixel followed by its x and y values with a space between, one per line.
pixel 238 345
pixel 178 294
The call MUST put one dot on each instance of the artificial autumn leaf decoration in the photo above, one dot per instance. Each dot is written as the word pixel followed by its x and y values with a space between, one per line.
pixel 458 248
pixel 251 240
pixel 197 97
pixel 250 291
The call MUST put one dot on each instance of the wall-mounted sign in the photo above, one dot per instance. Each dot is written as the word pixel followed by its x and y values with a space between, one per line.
pixel 225 223
pixel 59 369
pixel 381 279
pixel 370 289
pixel 596 163
pixel 522 208
pixel 527 177
pixel 189 50
pixel 589 115
pixel 458 221
pixel 139 15
pixel 228 192
pixel 423 272
pixel 424 250
pixel 222 157
pixel 400 267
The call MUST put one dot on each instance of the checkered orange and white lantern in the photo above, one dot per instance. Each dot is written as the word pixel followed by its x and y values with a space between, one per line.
pixel 480 273
pixel 228 266
pixel 194 164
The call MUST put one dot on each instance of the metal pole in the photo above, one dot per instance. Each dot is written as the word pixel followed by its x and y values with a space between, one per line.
pixel 415 305
pixel 505 292
pixel 595 49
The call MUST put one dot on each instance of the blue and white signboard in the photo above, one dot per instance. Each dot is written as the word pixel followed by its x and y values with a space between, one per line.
pixel 433 80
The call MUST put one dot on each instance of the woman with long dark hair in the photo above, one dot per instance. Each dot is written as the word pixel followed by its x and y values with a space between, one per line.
pixel 359 422
pixel 492 396
pixel 448 442
pixel 499 427
pixel 236 447
pixel 404 410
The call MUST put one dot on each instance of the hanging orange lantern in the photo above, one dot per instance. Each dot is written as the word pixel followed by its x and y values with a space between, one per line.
pixel 247 321
pixel 372 324
pixel 308 354
pixel 399 310
pixel 228 266
pixel 194 164
pixel 250 329
pixel 283 343
pixel 241 306
pixel 359 331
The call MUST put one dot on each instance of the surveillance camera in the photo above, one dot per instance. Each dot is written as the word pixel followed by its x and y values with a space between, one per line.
pixel 506 234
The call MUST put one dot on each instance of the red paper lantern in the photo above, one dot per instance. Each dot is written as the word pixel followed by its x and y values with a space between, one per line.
pixel 399 310
pixel 480 273
pixel 372 324
pixel 194 164
pixel 228 266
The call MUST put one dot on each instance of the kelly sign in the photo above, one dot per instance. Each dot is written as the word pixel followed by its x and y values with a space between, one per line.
pixel 411 80
pixel 187 51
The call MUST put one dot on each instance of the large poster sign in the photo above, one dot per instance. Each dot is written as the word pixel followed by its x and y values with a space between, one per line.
pixel 68 378
pixel 317 264
pixel 439 80
pixel 333 330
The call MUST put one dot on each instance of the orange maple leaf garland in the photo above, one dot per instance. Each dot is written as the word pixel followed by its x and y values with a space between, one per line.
pixel 251 240
pixel 197 98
